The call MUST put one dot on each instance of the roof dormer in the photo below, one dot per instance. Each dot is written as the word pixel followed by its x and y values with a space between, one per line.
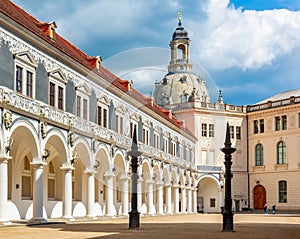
pixel 49 29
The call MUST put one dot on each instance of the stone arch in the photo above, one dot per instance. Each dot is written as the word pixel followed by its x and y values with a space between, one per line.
pixel 208 196
pixel 82 147
pixel 25 150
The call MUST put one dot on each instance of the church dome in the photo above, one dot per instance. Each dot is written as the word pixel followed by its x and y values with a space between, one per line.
pixel 180 84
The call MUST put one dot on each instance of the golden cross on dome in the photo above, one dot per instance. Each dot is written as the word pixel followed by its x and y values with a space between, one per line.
pixel 179 16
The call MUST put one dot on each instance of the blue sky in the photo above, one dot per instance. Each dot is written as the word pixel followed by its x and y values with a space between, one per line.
pixel 251 49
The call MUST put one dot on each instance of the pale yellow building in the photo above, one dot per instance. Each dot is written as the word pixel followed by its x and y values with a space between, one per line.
pixel 274 162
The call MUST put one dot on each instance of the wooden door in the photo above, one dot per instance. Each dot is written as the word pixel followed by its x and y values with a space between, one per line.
pixel 260 198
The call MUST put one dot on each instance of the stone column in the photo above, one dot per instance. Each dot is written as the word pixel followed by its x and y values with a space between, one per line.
pixel 160 199
pixel 124 195
pixel 67 199
pixel 110 208
pixel 151 209
pixel 38 192
pixel 3 191
pixel 139 193
pixel 183 200
pixel 169 199
pixel 189 198
pixel 194 210
pixel 91 194
pixel 176 199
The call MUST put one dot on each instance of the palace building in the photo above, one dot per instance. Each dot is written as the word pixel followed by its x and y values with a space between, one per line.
pixel 67 124
pixel 66 128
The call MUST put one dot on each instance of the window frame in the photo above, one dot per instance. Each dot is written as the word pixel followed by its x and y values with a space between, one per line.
pixel 83 98
pixel 57 83
pixel 259 155
pixel 26 67
pixel 282 191
pixel 281 152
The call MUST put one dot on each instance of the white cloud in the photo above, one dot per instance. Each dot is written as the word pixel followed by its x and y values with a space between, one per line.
pixel 247 39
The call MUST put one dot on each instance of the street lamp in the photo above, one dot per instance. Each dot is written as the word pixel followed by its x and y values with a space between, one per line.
pixel 227 212
pixel 134 215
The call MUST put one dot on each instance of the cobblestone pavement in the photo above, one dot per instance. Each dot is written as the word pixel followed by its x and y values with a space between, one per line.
pixel 207 226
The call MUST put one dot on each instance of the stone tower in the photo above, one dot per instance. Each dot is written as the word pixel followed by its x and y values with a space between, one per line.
pixel 180 84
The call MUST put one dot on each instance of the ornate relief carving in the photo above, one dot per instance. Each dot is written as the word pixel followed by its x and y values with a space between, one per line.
pixel 7 119
pixel 44 129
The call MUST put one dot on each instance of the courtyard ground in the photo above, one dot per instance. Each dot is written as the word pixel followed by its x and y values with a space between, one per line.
pixel 208 226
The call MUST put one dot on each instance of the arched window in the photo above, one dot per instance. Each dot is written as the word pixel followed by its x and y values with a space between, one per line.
pixel 26 179
pixel 259 155
pixel 51 181
pixel 282 191
pixel 281 153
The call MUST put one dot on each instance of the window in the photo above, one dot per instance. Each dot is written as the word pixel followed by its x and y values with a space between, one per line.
pixel 204 130
pixel 156 140
pixel 166 146
pixel 102 116
pixel 282 191
pixel 145 136
pixel 133 126
pixel 255 127
pixel 119 123
pixel 174 148
pixel 284 122
pixel 261 126
pixel 82 101
pixel 212 202
pixel 277 123
pixel 57 85
pixel 231 130
pixel 51 181
pixel 281 153
pixel 211 130
pixel 26 179
pixel 25 74
pixel 238 132
pixel 259 155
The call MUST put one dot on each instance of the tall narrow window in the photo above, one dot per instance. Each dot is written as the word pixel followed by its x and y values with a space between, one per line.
pixel 211 130
pixel 238 132
pixel 255 127
pixel 52 94
pixel 78 106
pixel 99 113
pixel 231 130
pixel 204 130
pixel 26 179
pixel 277 123
pixel 19 79
pixel 284 122
pixel 259 155
pixel 262 126
pixel 60 103
pixel 29 82
pixel 85 109
pixel 281 153
pixel 105 118
pixel 132 127
pixel 282 191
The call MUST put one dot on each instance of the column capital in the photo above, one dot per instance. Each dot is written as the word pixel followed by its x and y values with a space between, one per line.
pixel 90 172
pixel 4 158
pixel 38 164
pixel 108 175
pixel 124 178
pixel 149 181
pixel 159 183
pixel 175 186
pixel 67 168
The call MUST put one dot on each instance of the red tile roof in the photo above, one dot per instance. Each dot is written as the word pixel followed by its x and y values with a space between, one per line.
pixel 40 30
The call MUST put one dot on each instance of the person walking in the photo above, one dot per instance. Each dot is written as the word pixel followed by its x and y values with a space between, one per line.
pixel 266 209
pixel 273 209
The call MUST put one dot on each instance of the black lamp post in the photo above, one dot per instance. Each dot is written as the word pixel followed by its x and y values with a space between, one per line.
pixel 134 215
pixel 227 212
